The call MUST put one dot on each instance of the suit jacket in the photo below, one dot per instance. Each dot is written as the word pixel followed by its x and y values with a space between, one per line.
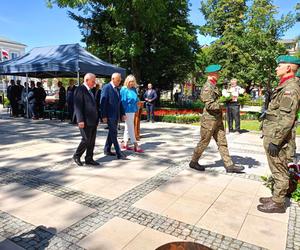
pixel 152 96
pixel 110 103
pixel 85 109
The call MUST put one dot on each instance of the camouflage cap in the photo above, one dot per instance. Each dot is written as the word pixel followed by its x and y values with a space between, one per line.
pixel 213 68
pixel 288 59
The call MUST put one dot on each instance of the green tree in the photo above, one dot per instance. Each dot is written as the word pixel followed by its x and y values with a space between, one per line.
pixel 153 39
pixel 247 34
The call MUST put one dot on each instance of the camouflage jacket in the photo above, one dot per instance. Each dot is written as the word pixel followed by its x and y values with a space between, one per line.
pixel 209 96
pixel 282 112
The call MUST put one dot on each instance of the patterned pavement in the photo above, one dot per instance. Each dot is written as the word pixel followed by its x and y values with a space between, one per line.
pixel 49 203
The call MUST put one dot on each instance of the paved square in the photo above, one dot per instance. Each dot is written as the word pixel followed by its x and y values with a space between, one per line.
pixel 154 198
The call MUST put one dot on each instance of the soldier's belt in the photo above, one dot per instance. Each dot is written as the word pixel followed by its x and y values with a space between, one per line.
pixel 271 118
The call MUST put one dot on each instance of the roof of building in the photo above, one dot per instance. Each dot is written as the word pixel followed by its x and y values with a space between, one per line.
pixel 288 41
pixel 7 40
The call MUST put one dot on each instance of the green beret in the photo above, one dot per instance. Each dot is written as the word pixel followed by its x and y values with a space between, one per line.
pixel 288 59
pixel 213 68
pixel 298 73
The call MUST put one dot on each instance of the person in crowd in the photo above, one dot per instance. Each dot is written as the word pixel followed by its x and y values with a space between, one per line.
pixel 19 97
pixel 14 98
pixel 85 111
pixel 8 92
pixel 130 101
pixel 31 101
pixel 157 101
pixel 277 130
pixel 233 107
pixel 254 91
pixel 111 110
pixel 24 96
pixel 70 100
pixel 150 96
pixel 40 97
pixel 97 97
pixel 61 96
pixel 211 123
pixel 176 96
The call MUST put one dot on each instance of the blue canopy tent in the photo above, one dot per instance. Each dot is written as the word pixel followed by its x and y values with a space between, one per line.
pixel 70 60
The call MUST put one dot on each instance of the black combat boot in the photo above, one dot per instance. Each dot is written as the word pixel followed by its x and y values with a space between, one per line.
pixel 196 165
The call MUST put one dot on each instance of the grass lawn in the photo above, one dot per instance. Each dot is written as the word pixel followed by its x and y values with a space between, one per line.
pixel 253 125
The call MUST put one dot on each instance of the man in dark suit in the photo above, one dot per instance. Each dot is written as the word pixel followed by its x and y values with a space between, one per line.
pixel 87 118
pixel 150 96
pixel 111 110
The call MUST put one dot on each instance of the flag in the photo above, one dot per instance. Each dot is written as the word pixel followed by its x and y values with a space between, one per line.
pixel 4 54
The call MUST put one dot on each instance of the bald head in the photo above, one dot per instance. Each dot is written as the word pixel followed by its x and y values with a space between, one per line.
pixel 116 79
pixel 90 80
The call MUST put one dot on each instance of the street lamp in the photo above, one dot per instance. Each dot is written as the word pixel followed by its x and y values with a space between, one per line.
pixel 86 33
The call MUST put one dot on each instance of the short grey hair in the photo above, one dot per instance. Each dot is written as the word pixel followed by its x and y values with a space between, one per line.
pixel 114 75
pixel 89 76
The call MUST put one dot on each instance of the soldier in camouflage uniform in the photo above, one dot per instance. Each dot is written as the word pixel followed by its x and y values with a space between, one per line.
pixel 291 149
pixel 277 130
pixel 212 124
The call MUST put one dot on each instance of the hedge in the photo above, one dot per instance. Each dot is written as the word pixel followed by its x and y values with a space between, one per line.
pixel 193 118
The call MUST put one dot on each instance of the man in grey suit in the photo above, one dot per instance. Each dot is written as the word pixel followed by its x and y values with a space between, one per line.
pixel 85 111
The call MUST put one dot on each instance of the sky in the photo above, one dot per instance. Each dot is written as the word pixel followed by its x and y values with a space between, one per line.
pixel 32 23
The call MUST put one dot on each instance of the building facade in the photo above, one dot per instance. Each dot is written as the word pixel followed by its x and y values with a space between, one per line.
pixel 291 45
pixel 9 49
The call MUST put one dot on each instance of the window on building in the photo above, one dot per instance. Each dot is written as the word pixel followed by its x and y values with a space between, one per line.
pixel 14 55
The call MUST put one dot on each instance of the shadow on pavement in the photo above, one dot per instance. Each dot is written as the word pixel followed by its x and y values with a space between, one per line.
pixel 38 238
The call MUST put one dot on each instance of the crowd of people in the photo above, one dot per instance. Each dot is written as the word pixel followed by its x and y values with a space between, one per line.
pixel 108 105
pixel 26 99
pixel 89 105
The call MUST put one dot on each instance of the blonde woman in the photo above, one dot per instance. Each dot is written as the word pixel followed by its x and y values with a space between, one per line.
pixel 130 100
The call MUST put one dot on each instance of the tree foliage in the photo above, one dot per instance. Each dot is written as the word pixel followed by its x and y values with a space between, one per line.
pixel 153 39
pixel 247 35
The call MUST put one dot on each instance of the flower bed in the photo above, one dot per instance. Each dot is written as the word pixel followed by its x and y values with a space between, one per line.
pixel 294 182
pixel 169 111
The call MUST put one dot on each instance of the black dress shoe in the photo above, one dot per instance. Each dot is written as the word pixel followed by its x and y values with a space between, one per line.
pixel 77 161
pixel 122 157
pixel 110 153
pixel 92 162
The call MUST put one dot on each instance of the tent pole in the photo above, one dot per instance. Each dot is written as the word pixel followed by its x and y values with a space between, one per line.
pixel 27 104
pixel 78 78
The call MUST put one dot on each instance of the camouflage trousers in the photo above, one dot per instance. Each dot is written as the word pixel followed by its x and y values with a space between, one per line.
pixel 291 147
pixel 279 170
pixel 215 129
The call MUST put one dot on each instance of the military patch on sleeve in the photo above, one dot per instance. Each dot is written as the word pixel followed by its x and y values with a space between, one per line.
pixel 286 103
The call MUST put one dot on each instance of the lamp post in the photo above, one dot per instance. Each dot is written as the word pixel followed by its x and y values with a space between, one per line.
pixel 87 33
